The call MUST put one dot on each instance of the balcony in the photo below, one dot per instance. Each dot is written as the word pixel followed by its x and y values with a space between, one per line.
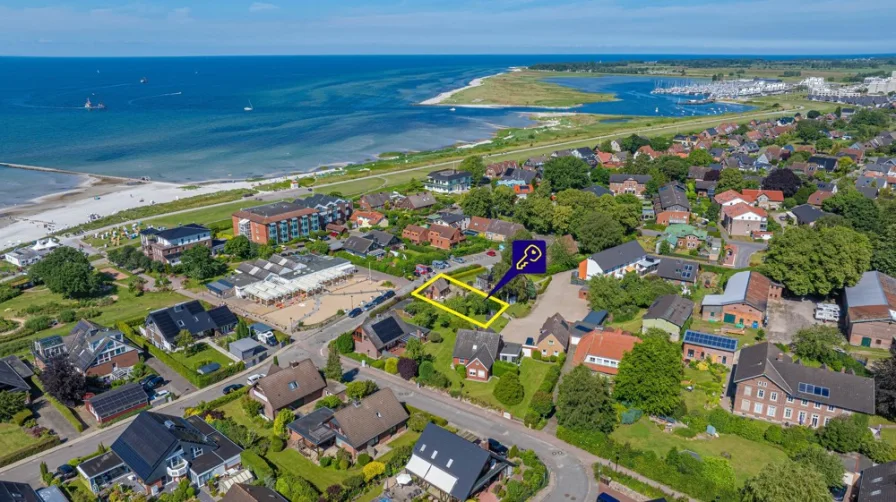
pixel 179 469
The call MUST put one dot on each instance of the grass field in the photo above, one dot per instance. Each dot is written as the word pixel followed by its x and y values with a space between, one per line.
pixel 203 357
pixel 523 88
pixel 357 187
pixel 747 457
pixel 633 325
pixel 12 438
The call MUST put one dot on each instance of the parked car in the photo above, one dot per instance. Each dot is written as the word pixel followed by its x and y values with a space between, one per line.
pixel 491 252
pixel 161 394
pixel 605 497
pixel 496 446
pixel 254 378
pixel 152 381
pixel 232 388
pixel 388 294
pixel 65 472
pixel 458 259
pixel 355 312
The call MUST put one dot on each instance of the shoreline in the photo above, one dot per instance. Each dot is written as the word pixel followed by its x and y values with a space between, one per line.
pixel 476 82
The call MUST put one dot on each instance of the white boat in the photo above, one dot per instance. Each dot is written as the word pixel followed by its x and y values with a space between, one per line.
pixel 249 108
pixel 657 110
pixel 452 109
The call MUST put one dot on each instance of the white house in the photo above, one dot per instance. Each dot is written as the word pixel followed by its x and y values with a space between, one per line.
pixel 618 261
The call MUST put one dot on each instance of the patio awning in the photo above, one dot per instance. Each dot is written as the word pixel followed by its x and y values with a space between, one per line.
pixel 244 476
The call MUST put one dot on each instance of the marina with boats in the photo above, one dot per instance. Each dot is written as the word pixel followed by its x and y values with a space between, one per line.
pixel 724 89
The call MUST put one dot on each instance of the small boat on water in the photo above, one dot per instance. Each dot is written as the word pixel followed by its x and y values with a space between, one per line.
pixel 143 80
pixel 452 109
pixel 249 108
pixel 657 110
pixel 90 106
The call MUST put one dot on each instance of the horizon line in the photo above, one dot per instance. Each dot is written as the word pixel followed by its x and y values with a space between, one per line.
pixel 387 54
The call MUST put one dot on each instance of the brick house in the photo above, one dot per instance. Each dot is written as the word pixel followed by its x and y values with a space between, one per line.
pixel 162 326
pixel 94 350
pixel 375 201
pixel 443 237
pixel 766 199
pixel 699 346
pixel 438 290
pixel 744 302
pixel 744 219
pixel 496 170
pixel 477 351
pixel 298 384
pixel 553 338
pixel 770 386
pixel 871 310
pixel 385 334
pixel 416 202
pixel 117 402
pixel 416 234
pixel 329 208
pixel 479 225
pixel 635 184
pixel 276 223
pixel 603 349
pixel 166 246
pixel 672 205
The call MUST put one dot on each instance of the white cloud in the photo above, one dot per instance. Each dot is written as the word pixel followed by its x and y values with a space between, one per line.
pixel 262 6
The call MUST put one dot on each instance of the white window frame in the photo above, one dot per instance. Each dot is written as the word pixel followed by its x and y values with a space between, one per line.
pixel 788 413
pixel 757 408
pixel 748 391
pixel 771 411
pixel 745 405
pixel 760 394
pixel 773 396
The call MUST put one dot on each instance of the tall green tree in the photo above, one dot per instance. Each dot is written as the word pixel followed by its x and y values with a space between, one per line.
pixel 66 271
pixel 818 342
pixel 650 377
pixel 885 383
pixel 818 459
pixel 475 166
pixel 535 213
pixel 560 257
pixel 10 404
pixel 567 172
pixel 598 231
pixel 503 200
pixel 333 369
pixel 198 263
pixel 477 202
pixel 584 403
pixel 700 157
pixel 863 213
pixel 606 293
pixel 241 247
pixel 731 179
pixel 786 482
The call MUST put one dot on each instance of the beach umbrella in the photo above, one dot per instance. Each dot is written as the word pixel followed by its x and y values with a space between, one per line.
pixel 403 479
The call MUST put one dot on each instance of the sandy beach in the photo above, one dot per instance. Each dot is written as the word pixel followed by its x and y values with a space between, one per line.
pixel 476 82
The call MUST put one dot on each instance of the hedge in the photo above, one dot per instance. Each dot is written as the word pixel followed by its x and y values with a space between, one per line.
pixel 257 465
pixel 441 422
pixel 205 407
pixel 501 367
pixel 64 410
pixel 44 443
pixel 184 371
pixel 551 378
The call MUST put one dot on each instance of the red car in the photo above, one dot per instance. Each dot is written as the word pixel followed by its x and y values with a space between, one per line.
pixel 491 252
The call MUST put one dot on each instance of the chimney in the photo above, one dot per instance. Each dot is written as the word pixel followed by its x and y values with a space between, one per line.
pixel 293 364
pixel 779 357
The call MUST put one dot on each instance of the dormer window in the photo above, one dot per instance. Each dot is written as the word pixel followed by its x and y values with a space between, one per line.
pixel 293 385
pixel 181 324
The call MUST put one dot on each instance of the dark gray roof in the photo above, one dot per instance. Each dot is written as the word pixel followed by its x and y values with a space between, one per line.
pixel 705 185
pixel 382 239
pixel 640 178
pixel 556 325
pixel 17 492
pixel 451 218
pixel 88 339
pixel 389 329
pixel 806 214
pixel 177 232
pixel 118 400
pixel 851 392
pixel 358 245
pixel 98 465
pixel 274 209
pixel 519 174
pixel 378 199
pixel 596 317
pixel 222 316
pixel 673 196
pixel 475 344
pixel 878 483
pixel 319 201
pixel 190 316
pixel 824 162
pixel 450 174
pixel 312 426
pixel 598 190
pixel 18 366
pixel 869 192
pixel 676 269
pixel 11 380
pixel 241 492
pixel 620 255
pixel 672 308
pixel 151 438
pixel 223 448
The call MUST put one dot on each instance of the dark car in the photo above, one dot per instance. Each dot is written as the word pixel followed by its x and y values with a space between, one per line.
pixel 496 446
pixel 388 294
pixel 65 471
pixel 152 381
pixel 232 388
pixel 355 312
pixel 605 497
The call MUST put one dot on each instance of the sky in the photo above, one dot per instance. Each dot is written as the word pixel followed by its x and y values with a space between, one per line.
pixel 221 27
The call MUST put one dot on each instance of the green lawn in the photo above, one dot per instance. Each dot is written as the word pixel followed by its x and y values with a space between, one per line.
pixel 205 216
pixel 203 357
pixel 889 435
pixel 357 187
pixel 632 326
pixel 702 381
pixel 291 461
pixel 12 438
pixel 532 373
pixel 235 411
pixel 747 457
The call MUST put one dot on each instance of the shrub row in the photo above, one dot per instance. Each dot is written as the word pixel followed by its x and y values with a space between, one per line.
pixel 184 371
pixel 259 466
pixel 441 422
pixel 44 443
pixel 64 410
pixel 206 406
pixel 500 368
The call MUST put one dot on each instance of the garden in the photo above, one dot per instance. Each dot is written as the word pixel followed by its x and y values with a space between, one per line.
pixel 20 436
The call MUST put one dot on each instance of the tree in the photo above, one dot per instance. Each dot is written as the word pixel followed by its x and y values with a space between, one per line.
pixel 407 368
pixel 598 231
pixel 414 349
pixel 242 330
pixel 318 247
pixel 509 390
pixel 730 179
pixel 296 489
pixel 542 403
pixel 360 389
pixel 265 251
pixel 818 459
pixel 650 377
pixel 503 200
pixel 814 114
pixel 477 202
pixel 198 263
pixel 606 293
pixel 563 215
pixel 786 482
pixel 633 143
pixel 712 175
pixel 824 144
pixel 713 212
pixel 535 213
pixel 845 433
pixel 885 382
pixel 345 343
pixel 183 339
pixel 10 404
pixel 373 470
pixel 62 381
pixel 784 180
pixel 863 213
pixel 475 166
pixel 284 417
pixel 817 261
pixel 567 172
pixel 700 157
pixel 560 256
pixel 240 247
pixel 333 369
pixel 673 168
pixel 391 366
pixel 67 271
pixel 817 342
pixel 584 403
pixel 809 130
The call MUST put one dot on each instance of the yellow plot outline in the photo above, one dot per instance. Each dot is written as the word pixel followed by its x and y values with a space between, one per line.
pixel 484 325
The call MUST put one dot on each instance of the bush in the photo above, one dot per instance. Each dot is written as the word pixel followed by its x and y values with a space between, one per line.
pixel 392 366
pixel 536 355
pixel 67 315
pixel 685 432
pixel 379 364
pixel 22 416
pixel 550 379
pixel 407 368
pixel 277 444
pixel 38 323
pixel 435 337
pixel 373 470
pixel 631 416
pixel 509 391
pixel 257 465
pixel 461 371
pixel 418 422
pixel 326 461
pixel 364 459
pixel 500 368
pixel 345 344
pixel 45 443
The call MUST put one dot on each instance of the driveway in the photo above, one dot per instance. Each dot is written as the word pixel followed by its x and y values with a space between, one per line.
pixel 173 381
pixel 49 417
pixel 787 316
pixel 561 296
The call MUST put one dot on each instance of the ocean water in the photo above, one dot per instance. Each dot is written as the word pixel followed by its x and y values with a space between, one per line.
pixel 187 122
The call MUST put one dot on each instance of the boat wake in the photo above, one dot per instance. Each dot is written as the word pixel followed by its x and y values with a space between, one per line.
pixel 178 93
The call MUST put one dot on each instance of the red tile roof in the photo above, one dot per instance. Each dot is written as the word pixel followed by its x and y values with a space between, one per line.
pixel 610 343
pixel 741 209
pixel 729 196
pixel 773 195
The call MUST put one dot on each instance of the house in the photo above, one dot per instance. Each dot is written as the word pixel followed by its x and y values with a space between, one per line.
pixel 585 154
pixel 243 492
pixel 117 402
pixel 806 214
pixel 328 208
pixel 669 313
pixel 289 388
pixel 818 197
pixel 744 302
pixel 276 223
pixel 672 205
pixel 455 467
pixel 875 484
pixel 744 219
pixel 248 350
pixel 603 349
pixel 162 326
pixel 416 202
pixel 515 177
pixel 336 230
pixel 13 373
pixel 718 349
pixel 450 181
pixel 99 351
pixel 705 188
pixel 870 308
pixel 535 163
pixel 18 492
pixel 479 225
pixel 375 201
pixel 454 220
pixel 523 191
pixel 553 338
pixel 678 271
pixel 635 184
pixel 730 198
pixel 496 170
pixel 803 167
pixel 681 236
pixel 500 230
pixel 363 219
pixel 438 290
pixel 598 190
pixel 772 387
pixel 477 351
pixel 697 172
pixel 618 261
pixel 26 256
pixel 357 428
pixel 416 234
pixel 825 162
pixel 359 246
pixel 443 237
pixel 156 450
pixel 766 199
pixel 385 334
pixel 648 151
pixel 166 246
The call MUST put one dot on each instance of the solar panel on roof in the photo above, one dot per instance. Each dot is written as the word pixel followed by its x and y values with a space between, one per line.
pixel 712 341
pixel 118 400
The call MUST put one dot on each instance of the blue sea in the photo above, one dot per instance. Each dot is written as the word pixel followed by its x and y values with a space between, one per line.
pixel 187 122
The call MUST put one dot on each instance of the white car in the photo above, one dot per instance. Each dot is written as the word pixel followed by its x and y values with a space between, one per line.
pixel 161 394
pixel 254 378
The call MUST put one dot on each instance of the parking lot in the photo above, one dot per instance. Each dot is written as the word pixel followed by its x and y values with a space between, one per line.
pixel 560 296
pixel 787 316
